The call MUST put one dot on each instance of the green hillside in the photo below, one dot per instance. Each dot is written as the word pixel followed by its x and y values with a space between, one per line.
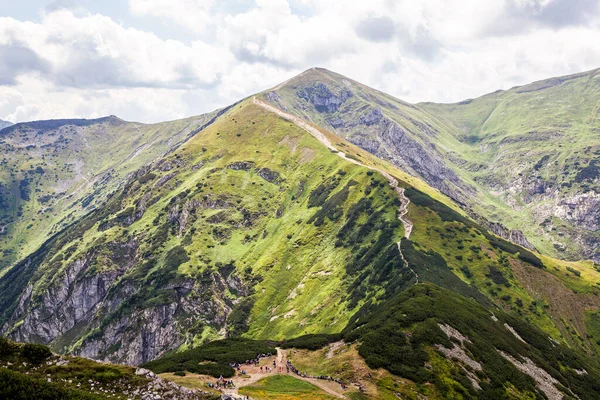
pixel 426 341
pixel 257 223
pixel 240 230
pixel 53 172
pixel 534 150
pixel 525 158
pixel 32 371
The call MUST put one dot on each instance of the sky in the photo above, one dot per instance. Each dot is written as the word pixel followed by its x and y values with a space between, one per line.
pixel 157 60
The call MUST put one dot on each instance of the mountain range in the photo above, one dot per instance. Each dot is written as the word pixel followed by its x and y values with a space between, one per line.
pixel 5 124
pixel 450 247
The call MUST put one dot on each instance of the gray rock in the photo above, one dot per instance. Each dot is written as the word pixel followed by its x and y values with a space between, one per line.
pixel 323 98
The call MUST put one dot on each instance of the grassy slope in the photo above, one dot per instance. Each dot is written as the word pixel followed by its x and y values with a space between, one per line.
pixel 31 371
pixel 398 349
pixel 494 143
pixel 81 162
pixel 547 129
pixel 58 377
pixel 562 319
pixel 553 298
pixel 296 272
pixel 418 313
pixel 284 387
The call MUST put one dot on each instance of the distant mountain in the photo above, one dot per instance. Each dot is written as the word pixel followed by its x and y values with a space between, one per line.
pixel 53 172
pixel 5 124
pixel 526 160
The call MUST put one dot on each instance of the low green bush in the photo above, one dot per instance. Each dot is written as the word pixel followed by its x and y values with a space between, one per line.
pixel 35 353
pixel 311 342
pixel 212 358
pixel 7 347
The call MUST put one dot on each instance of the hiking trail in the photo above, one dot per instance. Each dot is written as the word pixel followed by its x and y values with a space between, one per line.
pixel 317 134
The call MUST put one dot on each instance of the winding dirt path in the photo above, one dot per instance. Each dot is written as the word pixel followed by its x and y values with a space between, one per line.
pixel 4 226
pixel 317 134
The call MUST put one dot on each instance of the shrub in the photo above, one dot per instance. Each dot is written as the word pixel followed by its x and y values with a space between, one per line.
pixel 237 320
pixel 16 386
pixel 321 192
pixel 6 347
pixel 146 178
pixel 36 353
pixel 212 358
pixel 496 276
pixel 311 342
pixel 529 257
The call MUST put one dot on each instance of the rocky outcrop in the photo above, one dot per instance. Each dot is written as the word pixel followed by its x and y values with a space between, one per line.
pixel 336 122
pixel 411 155
pixel 158 388
pixel 371 117
pixel 145 333
pixel 107 315
pixel 582 210
pixel 323 98
pixel 370 145
pixel 73 298
pixel 241 165
pixel 269 175
pixel 514 235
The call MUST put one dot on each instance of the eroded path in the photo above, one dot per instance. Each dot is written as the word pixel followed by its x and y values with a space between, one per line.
pixel 317 134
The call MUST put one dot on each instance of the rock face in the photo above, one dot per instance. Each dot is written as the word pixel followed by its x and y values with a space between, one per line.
pixel 410 154
pixel 134 334
pixel 323 98
pixel 580 209
pixel 370 129
pixel 131 335
pixel 514 235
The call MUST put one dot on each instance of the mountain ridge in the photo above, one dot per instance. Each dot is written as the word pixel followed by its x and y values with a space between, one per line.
pixel 263 221
pixel 5 124
pixel 427 140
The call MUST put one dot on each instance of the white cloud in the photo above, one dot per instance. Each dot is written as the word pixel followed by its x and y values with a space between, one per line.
pixel 81 64
pixel 194 15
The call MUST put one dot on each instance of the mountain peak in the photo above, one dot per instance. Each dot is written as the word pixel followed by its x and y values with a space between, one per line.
pixel 310 76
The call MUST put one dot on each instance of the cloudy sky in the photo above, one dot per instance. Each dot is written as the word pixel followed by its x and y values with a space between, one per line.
pixel 153 60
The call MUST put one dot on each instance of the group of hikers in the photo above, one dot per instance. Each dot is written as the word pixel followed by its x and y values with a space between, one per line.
pixel 290 367
pixel 222 383
pixel 254 361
